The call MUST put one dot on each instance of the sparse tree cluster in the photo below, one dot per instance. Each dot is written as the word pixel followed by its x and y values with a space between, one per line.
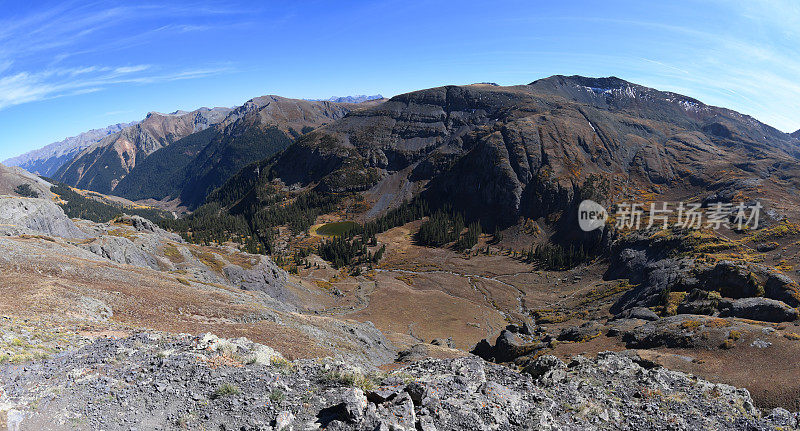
pixel 342 252
pixel 255 226
pixel 26 191
pixel 556 257
pixel 212 224
pixel 470 237
pixel 440 229
pixel 405 213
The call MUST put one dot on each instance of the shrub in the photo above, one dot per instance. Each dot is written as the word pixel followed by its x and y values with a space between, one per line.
pixel 690 324
pixel 227 389
pixel 354 379
pixel 727 344
pixel 277 396
pixel 282 364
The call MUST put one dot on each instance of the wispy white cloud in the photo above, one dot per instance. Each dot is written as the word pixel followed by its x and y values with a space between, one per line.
pixel 25 87
pixel 35 47
pixel 131 69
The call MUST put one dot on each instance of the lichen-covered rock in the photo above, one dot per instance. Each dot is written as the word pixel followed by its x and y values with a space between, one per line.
pixel 547 369
pixel 782 288
pixel 641 313
pixel 584 332
pixel 711 289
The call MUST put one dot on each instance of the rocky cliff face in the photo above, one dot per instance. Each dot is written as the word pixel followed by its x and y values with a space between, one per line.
pixel 259 129
pixel 501 152
pixel 101 166
pixel 47 160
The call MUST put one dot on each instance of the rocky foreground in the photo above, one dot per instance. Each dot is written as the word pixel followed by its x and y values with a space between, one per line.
pixel 158 381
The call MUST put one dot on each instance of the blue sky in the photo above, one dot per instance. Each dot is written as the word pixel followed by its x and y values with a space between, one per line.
pixel 69 67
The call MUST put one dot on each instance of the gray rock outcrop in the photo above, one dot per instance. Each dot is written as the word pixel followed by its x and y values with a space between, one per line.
pixel 265 277
pixel 121 250
pixel 37 216
pixel 150 381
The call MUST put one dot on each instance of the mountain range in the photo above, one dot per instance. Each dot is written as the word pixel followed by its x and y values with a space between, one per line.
pixel 501 153
pixel 353 99
pixel 101 166
pixel 181 156
pixel 48 159
pixel 495 152
pixel 193 166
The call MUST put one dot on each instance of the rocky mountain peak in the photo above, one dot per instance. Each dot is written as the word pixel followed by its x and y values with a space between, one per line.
pixel 610 82
pixel 611 90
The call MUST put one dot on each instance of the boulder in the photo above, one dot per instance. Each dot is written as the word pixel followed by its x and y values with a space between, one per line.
pixel 483 349
pixel 510 346
pixel 639 313
pixel 781 287
pixel 763 309
pixel 354 403
pixel 417 352
pixel 140 224
pixel 284 420
pixel 585 332
pixel 528 327
pixel 732 280
pixel 548 369
pixel 444 342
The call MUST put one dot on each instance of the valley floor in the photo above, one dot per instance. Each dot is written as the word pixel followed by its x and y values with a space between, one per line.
pixel 420 294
